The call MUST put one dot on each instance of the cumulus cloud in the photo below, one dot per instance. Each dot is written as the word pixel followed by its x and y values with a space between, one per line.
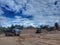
pixel 1 12
pixel 43 12
pixel 18 20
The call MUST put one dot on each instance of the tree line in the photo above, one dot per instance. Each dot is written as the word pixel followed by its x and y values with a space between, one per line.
pixel 10 28
pixel 38 30
pixel 47 28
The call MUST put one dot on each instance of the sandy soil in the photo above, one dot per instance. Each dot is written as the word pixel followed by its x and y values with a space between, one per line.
pixel 8 40
pixel 40 39
pixel 32 39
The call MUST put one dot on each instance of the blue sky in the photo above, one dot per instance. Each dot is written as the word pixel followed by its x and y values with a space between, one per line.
pixel 29 12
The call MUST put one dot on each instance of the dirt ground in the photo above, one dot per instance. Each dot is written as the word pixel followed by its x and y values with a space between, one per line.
pixel 52 38
pixel 8 40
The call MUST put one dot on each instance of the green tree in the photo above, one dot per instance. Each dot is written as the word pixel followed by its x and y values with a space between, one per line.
pixel 56 25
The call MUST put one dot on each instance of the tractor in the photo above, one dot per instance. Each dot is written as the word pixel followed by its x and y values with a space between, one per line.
pixel 13 32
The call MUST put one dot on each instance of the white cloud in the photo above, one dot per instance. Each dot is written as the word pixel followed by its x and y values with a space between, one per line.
pixel 42 10
pixel 5 22
pixel 1 12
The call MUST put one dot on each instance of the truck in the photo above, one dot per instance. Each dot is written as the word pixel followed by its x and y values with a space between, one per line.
pixel 13 32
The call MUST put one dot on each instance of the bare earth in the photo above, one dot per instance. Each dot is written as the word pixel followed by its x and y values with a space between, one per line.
pixel 8 41
pixel 32 39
